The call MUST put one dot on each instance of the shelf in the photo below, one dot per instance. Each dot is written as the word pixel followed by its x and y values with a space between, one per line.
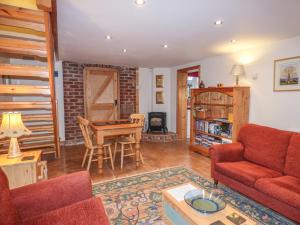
pixel 212 135
pixel 209 104
pixel 214 120
pixel 200 149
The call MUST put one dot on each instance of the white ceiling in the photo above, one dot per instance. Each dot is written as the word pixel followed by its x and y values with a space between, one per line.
pixel 187 26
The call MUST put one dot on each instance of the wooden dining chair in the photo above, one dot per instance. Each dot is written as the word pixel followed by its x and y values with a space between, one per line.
pixel 127 141
pixel 90 148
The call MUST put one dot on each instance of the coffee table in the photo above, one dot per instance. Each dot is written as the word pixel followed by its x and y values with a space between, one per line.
pixel 179 212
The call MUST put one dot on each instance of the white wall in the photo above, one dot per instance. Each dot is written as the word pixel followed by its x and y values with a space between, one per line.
pixel 147 91
pixel 59 91
pixel 276 109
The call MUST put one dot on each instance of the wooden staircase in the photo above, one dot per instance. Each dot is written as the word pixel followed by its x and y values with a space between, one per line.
pixel 29 88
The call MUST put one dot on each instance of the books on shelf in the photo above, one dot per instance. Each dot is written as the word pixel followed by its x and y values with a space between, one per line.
pixel 219 127
pixel 207 141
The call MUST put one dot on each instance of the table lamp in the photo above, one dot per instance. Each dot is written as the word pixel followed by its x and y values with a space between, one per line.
pixel 12 126
pixel 237 70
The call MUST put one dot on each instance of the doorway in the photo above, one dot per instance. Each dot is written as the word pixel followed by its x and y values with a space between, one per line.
pixel 101 94
pixel 187 79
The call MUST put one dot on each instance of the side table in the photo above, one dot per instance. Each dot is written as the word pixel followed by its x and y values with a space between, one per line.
pixel 24 170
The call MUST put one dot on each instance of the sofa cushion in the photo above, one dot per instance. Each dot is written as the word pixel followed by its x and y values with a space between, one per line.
pixel 292 163
pixel 89 211
pixel 8 212
pixel 265 146
pixel 285 189
pixel 245 172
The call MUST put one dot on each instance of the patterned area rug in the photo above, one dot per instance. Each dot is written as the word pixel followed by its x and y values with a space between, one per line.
pixel 138 200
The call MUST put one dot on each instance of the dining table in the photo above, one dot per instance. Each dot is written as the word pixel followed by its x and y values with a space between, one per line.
pixel 115 128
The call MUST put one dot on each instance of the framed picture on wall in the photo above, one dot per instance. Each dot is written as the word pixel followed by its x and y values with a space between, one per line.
pixel 159 81
pixel 159 97
pixel 287 74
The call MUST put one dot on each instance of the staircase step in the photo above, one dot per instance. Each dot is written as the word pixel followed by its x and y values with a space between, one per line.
pixel 24 90
pixel 22 47
pixel 40 128
pixel 24 71
pixel 27 146
pixel 29 15
pixel 30 138
pixel 37 118
pixel 22 24
pixel 24 105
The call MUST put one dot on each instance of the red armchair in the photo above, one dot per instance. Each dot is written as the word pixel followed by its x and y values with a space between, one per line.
pixel 66 200
pixel 264 165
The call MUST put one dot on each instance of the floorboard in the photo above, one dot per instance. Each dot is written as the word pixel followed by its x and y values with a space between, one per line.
pixel 156 156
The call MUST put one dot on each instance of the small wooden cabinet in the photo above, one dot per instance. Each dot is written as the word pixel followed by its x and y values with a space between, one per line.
pixel 217 114
pixel 24 170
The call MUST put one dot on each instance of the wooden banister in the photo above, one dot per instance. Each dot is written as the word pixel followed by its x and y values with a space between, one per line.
pixel 50 60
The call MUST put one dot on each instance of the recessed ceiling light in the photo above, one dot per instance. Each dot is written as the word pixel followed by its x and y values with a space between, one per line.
pixel 140 2
pixel 233 41
pixel 108 37
pixel 218 22
pixel 124 50
pixel 165 46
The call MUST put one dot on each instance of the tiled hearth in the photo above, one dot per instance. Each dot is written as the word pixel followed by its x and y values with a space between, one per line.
pixel 159 137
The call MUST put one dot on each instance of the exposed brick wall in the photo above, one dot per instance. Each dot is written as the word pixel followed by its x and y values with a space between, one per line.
pixel 74 98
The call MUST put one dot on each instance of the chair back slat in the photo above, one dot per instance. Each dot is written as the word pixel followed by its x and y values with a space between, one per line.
pixel 138 119
pixel 84 125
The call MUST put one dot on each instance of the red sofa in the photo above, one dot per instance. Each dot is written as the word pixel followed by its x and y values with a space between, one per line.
pixel 66 200
pixel 265 165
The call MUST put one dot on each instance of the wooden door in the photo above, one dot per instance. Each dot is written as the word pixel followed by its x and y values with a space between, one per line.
pixel 181 124
pixel 101 93
pixel 182 98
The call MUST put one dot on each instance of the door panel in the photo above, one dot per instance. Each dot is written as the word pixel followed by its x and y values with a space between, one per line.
pixel 181 124
pixel 101 94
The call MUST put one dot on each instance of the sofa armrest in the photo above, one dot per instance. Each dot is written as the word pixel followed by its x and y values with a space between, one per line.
pixel 226 153
pixel 36 199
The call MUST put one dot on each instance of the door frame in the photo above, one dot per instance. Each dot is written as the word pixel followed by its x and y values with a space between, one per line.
pixel 181 117
pixel 85 73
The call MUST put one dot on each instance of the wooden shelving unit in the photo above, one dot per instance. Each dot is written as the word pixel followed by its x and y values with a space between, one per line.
pixel 217 114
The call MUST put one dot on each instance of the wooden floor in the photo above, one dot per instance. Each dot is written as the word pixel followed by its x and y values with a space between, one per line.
pixel 156 156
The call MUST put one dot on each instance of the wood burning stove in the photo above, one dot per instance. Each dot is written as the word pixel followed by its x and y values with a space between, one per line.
pixel 157 121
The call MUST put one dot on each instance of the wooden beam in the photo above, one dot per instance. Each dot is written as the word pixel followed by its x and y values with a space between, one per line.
pixel 13 12
pixel 45 5
pixel 185 70
pixel 24 71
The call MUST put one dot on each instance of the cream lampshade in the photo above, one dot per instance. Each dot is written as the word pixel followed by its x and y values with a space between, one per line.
pixel 12 126
pixel 237 71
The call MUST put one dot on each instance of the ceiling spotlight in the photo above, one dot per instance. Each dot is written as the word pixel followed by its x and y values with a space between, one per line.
pixel 124 50
pixel 218 22
pixel 108 37
pixel 165 46
pixel 233 41
pixel 140 2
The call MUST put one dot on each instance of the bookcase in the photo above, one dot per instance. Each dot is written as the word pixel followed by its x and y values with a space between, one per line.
pixel 217 114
